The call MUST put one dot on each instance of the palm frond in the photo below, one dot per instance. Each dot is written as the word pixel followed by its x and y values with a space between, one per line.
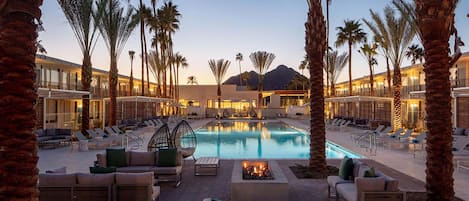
pixel 261 61
pixel 219 68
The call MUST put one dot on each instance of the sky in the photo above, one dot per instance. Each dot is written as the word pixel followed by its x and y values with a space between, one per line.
pixel 219 29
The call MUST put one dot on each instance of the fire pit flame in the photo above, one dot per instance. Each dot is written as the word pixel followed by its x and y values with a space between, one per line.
pixel 256 170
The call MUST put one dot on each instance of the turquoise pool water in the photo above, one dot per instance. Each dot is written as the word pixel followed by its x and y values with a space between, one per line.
pixel 243 139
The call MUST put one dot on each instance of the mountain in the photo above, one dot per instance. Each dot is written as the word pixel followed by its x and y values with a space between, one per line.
pixel 277 79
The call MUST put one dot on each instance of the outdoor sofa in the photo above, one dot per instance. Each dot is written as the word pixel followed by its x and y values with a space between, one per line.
pixel 135 162
pixel 98 187
pixel 53 137
pixel 361 188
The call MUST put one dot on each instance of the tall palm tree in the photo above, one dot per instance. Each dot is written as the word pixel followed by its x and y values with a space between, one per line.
pixel 219 68
pixel 336 65
pixel 168 16
pixel 384 47
pixel 192 80
pixel 261 61
pixel 351 33
pixel 414 53
pixel 179 62
pixel 435 22
pixel 369 52
pixel 115 26
pixel 326 67
pixel 398 34
pixel 17 89
pixel 156 70
pixel 239 58
pixel 132 56
pixel 81 17
pixel 142 45
pixel 315 50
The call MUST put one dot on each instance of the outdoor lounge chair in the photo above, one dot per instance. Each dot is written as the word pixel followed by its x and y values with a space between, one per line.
pixel 355 135
pixel 117 130
pixel 91 142
pixel 419 140
pixel 397 139
pixel 459 146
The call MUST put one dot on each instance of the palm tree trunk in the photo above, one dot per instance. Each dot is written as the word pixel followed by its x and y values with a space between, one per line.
pixel 219 97
pixel 131 79
pixel 350 69
pixel 332 89
pixel 259 96
pixel 435 18
pixel 388 75
pixel 240 79
pixel 327 47
pixel 113 91
pixel 371 81
pixel 86 82
pixel 18 147
pixel 397 85
pixel 315 48
pixel 142 35
pixel 146 60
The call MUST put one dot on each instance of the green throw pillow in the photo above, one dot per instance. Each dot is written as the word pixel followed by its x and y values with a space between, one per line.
pixel 116 157
pixel 167 157
pixel 346 168
pixel 370 172
pixel 102 170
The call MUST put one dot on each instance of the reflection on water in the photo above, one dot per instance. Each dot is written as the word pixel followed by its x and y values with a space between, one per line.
pixel 243 139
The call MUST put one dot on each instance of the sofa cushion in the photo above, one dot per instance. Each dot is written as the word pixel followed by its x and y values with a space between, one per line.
pixel 142 158
pixel 362 169
pixel 356 167
pixel 144 178
pixel 95 179
pixel 334 180
pixel 50 132
pixel 391 183
pixel 116 157
pixel 168 170
pixel 136 169
pixel 347 191
pixel 57 179
pixel 167 157
pixel 346 168
pixel 370 172
pixel 102 170
pixel 459 131
pixel 466 132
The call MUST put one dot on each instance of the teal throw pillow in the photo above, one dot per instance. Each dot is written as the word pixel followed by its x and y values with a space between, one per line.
pixel 167 157
pixel 102 170
pixel 116 157
pixel 370 172
pixel 346 168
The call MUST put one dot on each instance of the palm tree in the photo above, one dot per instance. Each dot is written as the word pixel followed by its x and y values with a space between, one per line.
pixel 219 69
pixel 315 48
pixel 435 22
pixel 384 47
pixel 398 34
pixel 17 142
pixel 351 33
pixel 115 26
pixel 81 17
pixel 304 65
pixel 261 61
pixel 326 67
pixel 414 53
pixel 239 58
pixel 192 80
pixel 142 45
pixel 155 68
pixel 336 65
pixel 132 56
pixel 179 62
pixel 369 52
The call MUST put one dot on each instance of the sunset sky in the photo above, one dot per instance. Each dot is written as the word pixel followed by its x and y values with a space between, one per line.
pixel 213 29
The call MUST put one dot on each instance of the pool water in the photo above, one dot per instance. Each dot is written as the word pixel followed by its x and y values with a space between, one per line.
pixel 244 139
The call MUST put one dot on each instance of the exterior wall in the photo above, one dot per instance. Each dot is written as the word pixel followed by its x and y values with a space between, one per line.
pixel 462 112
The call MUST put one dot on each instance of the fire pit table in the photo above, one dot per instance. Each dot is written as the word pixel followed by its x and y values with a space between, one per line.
pixel 254 180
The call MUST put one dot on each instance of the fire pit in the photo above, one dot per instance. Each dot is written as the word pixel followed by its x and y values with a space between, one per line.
pixel 258 180
pixel 256 170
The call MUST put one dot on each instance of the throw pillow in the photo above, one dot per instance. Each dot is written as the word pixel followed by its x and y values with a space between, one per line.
pixel 346 168
pixel 62 170
pixel 167 157
pixel 116 157
pixel 370 172
pixel 102 170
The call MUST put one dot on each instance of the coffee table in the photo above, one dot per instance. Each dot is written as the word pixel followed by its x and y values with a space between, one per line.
pixel 204 163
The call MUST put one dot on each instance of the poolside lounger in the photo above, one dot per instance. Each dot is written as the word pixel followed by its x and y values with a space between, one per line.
pixel 92 134
pixel 459 145
pixel 100 132
pixel 117 130
pixel 393 135
pixel 91 142
pixel 116 139
pixel 419 140
pixel 384 132
pixel 356 137
pixel 110 131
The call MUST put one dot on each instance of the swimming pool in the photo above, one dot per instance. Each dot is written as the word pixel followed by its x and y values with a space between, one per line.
pixel 244 139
